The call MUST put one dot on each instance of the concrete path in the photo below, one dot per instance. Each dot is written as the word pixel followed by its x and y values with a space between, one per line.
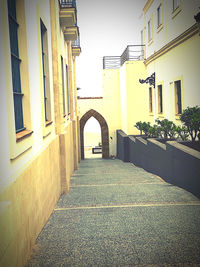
pixel 119 215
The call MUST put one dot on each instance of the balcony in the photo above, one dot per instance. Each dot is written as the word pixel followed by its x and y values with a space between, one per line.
pixel 76 48
pixel 67 13
pixel 71 33
pixel 131 53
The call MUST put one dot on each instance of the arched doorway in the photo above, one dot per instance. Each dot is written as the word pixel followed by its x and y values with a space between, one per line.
pixel 104 132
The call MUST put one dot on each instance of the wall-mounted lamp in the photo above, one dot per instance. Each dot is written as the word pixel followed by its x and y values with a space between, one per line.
pixel 197 18
pixel 150 80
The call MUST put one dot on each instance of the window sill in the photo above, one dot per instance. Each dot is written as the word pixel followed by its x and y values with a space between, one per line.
pixel 151 113
pixel 159 28
pixel 177 116
pixel 150 42
pixel 47 123
pixel 161 115
pixel 23 134
pixel 176 11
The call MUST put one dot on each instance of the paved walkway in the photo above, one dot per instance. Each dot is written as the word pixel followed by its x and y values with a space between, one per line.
pixel 119 215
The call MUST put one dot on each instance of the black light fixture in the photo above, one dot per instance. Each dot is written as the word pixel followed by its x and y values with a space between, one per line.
pixel 150 80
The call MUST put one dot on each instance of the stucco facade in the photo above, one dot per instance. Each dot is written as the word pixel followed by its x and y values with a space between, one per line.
pixel 36 161
pixel 169 48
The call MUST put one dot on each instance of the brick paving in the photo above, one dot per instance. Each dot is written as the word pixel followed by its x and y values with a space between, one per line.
pixel 117 214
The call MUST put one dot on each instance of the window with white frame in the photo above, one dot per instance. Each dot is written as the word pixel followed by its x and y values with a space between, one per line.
pixel 150 100
pixel 68 92
pixel 45 69
pixel 63 87
pixel 178 97
pixel 150 30
pixel 176 4
pixel 15 65
pixel 160 99
pixel 142 42
pixel 159 15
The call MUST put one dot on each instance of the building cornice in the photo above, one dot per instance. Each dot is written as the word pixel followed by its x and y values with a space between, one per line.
pixel 147 6
pixel 175 42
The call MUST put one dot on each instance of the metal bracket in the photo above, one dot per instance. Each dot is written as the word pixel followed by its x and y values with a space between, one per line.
pixel 150 80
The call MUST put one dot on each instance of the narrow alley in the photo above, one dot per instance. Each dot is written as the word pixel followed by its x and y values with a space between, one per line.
pixel 117 214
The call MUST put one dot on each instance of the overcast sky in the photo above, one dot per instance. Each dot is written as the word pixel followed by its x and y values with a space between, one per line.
pixel 106 28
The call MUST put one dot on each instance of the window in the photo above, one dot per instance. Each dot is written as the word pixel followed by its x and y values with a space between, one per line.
pixel 68 94
pixel 176 4
pixel 142 42
pixel 45 69
pixel 178 97
pixel 150 100
pixel 142 37
pixel 160 99
pixel 15 65
pixel 159 15
pixel 63 87
pixel 150 30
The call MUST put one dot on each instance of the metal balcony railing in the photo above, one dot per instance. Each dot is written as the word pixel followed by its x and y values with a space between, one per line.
pixel 76 43
pixel 67 3
pixel 131 53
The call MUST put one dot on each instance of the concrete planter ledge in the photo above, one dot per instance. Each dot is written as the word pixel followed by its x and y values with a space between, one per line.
pixel 156 142
pixel 184 148
pixel 174 162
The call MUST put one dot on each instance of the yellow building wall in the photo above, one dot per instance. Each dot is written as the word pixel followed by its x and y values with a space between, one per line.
pixel 35 170
pixel 137 95
pixel 108 106
pixel 180 63
pixel 66 157
pixel 31 199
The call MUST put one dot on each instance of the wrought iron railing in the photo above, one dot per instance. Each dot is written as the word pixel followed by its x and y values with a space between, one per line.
pixel 67 3
pixel 132 52
pixel 76 43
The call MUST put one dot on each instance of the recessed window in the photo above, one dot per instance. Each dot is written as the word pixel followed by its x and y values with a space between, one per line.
pixel 45 69
pixel 159 15
pixel 160 99
pixel 68 93
pixel 142 42
pixel 63 87
pixel 150 30
pixel 150 100
pixel 15 65
pixel 178 97
pixel 176 4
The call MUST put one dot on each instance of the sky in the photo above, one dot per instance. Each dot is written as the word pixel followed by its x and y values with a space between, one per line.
pixel 106 28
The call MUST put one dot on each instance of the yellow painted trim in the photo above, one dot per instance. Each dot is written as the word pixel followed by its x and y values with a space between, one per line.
pixel 177 10
pixel 160 115
pixel 178 40
pixel 150 42
pixel 151 113
pixel 20 147
pixel 46 129
pixel 152 33
pixel 147 6
pixel 178 78
pixel 159 28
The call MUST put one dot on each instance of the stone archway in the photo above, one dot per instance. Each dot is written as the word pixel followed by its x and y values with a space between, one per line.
pixel 104 132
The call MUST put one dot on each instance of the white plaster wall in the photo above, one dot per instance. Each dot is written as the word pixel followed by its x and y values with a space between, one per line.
pixel 172 26
pixel 10 169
